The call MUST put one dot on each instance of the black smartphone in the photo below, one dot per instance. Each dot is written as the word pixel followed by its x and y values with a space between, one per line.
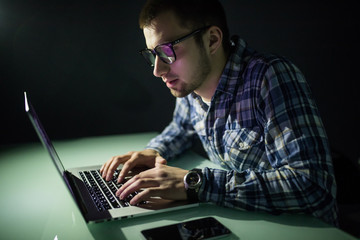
pixel 203 228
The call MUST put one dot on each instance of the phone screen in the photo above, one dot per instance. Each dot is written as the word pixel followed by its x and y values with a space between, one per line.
pixel 203 228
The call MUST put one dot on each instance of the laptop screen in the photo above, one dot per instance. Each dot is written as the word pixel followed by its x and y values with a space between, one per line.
pixel 42 135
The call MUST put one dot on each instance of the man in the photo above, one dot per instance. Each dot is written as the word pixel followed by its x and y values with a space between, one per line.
pixel 253 113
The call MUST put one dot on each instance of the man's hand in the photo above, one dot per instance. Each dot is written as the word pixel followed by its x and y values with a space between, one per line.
pixel 161 181
pixel 145 158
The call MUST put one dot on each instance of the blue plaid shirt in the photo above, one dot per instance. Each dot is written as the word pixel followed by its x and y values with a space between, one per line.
pixel 263 126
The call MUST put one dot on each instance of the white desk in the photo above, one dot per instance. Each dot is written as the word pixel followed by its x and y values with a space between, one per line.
pixel 35 203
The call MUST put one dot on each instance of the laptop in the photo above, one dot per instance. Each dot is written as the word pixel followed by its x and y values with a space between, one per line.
pixel 94 196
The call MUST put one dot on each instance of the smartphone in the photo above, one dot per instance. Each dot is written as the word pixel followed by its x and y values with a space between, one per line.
pixel 203 228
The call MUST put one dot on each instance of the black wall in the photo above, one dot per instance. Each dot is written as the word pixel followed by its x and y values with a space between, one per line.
pixel 79 63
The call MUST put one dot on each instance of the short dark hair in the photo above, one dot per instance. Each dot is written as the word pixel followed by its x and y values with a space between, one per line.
pixel 192 14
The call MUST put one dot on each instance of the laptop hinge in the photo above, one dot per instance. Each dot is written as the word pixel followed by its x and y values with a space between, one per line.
pixel 69 179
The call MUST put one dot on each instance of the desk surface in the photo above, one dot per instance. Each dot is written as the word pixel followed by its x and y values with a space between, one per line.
pixel 30 184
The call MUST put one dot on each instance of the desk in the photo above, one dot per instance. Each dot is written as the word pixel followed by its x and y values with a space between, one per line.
pixel 30 184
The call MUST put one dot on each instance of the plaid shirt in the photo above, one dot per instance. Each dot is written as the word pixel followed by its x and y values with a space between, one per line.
pixel 263 126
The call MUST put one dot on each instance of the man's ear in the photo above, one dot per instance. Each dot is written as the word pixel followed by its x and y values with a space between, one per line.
pixel 215 37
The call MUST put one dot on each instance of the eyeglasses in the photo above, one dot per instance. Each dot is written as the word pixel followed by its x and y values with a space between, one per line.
pixel 166 51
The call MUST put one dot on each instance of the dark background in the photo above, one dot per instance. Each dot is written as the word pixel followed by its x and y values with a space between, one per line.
pixel 79 63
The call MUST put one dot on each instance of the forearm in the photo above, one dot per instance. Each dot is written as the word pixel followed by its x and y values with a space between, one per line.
pixel 275 191
pixel 172 141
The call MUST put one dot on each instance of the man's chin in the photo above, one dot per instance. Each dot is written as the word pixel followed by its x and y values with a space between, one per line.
pixel 179 94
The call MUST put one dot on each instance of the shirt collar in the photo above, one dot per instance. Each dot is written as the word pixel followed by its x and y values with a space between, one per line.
pixel 233 68
pixel 229 78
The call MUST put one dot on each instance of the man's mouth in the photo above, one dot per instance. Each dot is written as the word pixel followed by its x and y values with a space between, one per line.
pixel 171 83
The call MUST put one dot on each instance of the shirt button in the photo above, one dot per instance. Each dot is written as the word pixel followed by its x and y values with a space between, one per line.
pixel 241 144
pixel 210 138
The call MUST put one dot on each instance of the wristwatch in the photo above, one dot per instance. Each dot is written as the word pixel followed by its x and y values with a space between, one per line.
pixel 193 180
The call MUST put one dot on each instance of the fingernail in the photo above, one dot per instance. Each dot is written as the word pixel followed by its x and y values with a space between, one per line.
pixel 118 193
pixel 119 178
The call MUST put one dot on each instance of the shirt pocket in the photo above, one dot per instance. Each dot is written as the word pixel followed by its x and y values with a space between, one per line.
pixel 242 147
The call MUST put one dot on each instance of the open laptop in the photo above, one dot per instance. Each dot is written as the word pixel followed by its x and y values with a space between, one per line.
pixel 93 195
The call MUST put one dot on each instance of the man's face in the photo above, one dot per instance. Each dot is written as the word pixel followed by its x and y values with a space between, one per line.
pixel 192 66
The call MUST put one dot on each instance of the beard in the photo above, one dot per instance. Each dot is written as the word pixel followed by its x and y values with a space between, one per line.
pixel 198 77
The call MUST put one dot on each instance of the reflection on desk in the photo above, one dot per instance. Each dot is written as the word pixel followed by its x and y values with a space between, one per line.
pixel 37 205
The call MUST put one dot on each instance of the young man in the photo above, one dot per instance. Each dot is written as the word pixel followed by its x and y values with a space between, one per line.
pixel 253 113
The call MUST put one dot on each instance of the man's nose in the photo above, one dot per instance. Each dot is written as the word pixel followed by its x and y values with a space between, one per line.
pixel 160 68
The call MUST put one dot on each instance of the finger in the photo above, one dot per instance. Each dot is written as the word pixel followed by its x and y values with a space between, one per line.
pixel 105 167
pixel 107 170
pixel 102 168
pixel 148 174
pixel 135 159
pixel 145 195
pixel 139 177
pixel 115 164
pixel 161 160
pixel 112 165
pixel 125 170
pixel 137 185
pixel 126 185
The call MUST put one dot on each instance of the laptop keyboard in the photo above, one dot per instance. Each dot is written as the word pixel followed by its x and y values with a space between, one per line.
pixel 103 192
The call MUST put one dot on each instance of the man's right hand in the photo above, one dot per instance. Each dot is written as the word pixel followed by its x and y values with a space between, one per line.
pixel 145 158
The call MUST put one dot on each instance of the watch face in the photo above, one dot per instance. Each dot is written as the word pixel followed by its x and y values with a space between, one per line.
pixel 193 179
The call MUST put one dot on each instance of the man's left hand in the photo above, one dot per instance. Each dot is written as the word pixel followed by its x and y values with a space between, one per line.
pixel 161 181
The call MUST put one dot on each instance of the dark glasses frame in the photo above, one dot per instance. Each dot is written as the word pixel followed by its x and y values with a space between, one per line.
pixel 170 57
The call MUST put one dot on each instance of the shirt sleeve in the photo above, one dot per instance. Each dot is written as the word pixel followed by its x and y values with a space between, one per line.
pixel 178 136
pixel 301 178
